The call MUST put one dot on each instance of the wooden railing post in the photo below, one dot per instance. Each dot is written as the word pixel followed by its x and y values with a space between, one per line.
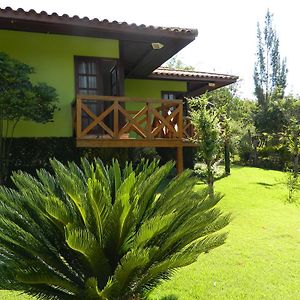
pixel 180 121
pixel 149 125
pixel 78 117
pixel 116 118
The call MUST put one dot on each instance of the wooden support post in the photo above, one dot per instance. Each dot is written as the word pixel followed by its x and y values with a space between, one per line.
pixel 179 160
pixel 149 125
pixel 180 121
pixel 78 117
pixel 116 119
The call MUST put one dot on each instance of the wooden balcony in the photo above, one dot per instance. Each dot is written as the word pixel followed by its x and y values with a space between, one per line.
pixel 106 121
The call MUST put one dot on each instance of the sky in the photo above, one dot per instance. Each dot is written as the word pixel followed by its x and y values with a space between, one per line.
pixel 226 42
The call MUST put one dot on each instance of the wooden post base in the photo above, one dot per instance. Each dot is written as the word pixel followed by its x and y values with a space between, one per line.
pixel 179 160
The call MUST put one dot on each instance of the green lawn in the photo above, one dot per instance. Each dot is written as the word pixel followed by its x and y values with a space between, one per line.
pixel 261 258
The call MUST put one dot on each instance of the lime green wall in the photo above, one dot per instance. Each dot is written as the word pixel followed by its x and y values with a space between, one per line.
pixel 152 88
pixel 52 56
pixel 143 88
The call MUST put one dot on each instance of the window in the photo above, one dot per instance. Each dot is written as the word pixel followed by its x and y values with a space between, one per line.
pixel 96 76
pixel 88 79
pixel 174 96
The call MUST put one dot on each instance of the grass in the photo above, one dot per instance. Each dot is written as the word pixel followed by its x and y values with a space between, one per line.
pixel 261 257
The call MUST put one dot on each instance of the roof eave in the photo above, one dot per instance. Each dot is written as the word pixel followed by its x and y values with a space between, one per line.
pixel 43 22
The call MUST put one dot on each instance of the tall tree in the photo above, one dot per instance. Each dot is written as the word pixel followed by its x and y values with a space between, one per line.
pixel 269 70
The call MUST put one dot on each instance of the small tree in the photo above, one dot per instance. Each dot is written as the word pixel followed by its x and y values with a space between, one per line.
pixel 208 135
pixel 223 99
pixel 292 136
pixel 20 100
pixel 292 141
pixel 93 232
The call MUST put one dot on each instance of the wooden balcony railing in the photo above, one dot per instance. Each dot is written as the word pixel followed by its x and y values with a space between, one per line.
pixel 123 118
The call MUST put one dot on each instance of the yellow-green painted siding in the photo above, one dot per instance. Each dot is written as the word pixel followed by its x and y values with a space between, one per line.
pixel 152 88
pixel 52 56
pixel 143 88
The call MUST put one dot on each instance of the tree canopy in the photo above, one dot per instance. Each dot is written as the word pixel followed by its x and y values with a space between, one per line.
pixel 20 99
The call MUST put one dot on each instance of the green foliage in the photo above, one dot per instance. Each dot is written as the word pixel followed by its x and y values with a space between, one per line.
pixel 102 232
pixel 293 186
pixel 275 135
pixel 175 63
pixel 207 128
pixel 236 119
pixel 29 154
pixel 269 71
pixel 20 99
pixel 200 170
pixel 272 119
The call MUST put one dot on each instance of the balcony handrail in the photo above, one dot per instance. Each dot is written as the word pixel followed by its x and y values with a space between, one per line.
pixel 150 122
pixel 127 99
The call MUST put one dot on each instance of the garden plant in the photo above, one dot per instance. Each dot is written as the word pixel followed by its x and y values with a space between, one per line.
pixel 102 232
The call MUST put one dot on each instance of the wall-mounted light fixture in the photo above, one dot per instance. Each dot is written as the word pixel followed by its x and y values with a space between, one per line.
pixel 157 46
pixel 211 84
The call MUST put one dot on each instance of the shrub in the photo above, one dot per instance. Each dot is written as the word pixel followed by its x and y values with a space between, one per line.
pixel 200 170
pixel 100 232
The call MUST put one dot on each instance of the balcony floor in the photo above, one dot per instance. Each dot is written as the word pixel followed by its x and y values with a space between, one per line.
pixel 102 142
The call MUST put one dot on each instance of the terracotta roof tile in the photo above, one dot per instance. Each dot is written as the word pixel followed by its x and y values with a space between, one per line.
pixel 85 21
pixel 190 74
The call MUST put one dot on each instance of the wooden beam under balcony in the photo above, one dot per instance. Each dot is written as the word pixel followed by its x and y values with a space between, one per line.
pixel 132 143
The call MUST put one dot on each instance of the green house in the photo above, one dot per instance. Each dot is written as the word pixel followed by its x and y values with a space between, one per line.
pixel 113 91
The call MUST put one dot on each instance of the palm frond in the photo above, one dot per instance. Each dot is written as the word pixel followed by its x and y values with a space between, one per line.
pixel 102 232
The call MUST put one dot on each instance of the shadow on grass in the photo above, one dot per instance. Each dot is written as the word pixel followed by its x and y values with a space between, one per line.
pixel 170 297
pixel 270 184
pixel 265 184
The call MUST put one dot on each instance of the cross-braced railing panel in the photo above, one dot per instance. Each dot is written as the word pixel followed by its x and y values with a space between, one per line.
pixel 109 117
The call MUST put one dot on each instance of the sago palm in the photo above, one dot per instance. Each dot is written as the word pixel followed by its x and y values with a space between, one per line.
pixel 102 232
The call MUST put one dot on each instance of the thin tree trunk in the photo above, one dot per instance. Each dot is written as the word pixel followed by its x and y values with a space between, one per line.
pixel 254 143
pixel 6 143
pixel 255 156
pixel 227 157
pixel 296 155
pixel 210 180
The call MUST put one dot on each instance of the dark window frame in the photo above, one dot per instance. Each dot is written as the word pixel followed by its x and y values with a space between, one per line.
pixel 181 95
pixel 175 93
pixel 99 75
